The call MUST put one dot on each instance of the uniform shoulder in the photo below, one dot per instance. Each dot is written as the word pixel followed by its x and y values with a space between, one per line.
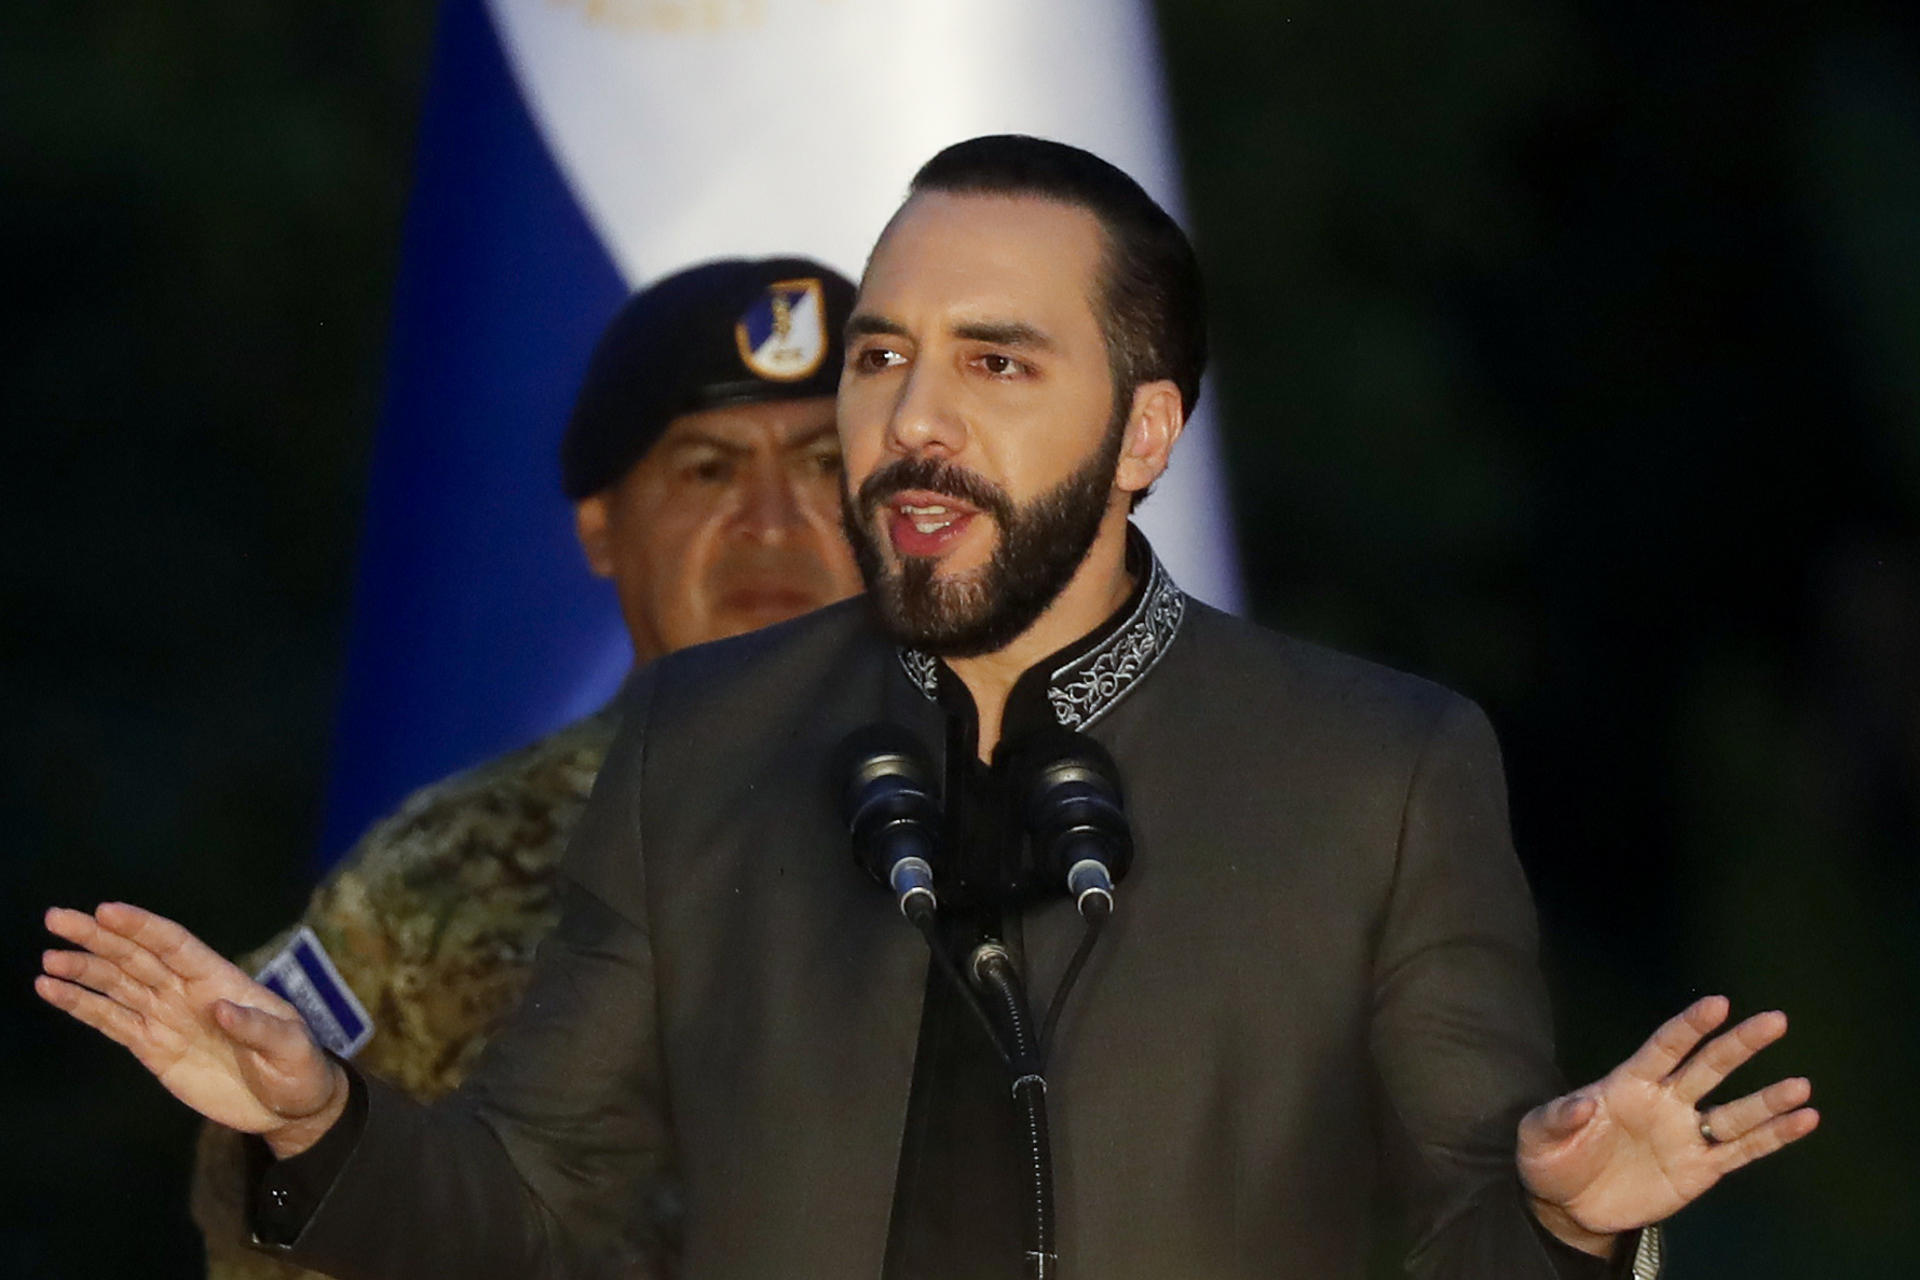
pixel 517 808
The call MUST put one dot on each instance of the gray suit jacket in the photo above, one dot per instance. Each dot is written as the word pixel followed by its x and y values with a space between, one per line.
pixel 1320 983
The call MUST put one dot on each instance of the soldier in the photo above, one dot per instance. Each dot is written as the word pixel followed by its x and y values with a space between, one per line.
pixel 704 469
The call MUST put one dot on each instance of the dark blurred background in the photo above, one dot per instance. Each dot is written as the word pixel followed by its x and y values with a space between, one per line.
pixel 1568 352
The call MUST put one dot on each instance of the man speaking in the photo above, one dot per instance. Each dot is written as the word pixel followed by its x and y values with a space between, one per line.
pixel 1318 978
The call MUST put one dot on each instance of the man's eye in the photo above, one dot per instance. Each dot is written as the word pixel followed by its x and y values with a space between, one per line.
pixel 1001 366
pixel 827 464
pixel 874 359
pixel 709 470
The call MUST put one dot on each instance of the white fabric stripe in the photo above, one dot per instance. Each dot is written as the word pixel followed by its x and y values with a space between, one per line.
pixel 692 129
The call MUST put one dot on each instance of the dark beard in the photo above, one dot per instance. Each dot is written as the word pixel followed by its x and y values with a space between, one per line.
pixel 1041 545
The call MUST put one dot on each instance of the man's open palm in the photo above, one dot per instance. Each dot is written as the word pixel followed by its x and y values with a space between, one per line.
pixel 1630 1149
pixel 219 1041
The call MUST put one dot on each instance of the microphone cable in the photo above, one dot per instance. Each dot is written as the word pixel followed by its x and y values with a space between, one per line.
pixel 929 929
pixel 1096 913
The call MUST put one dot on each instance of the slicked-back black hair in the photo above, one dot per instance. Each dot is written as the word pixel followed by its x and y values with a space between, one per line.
pixel 1150 306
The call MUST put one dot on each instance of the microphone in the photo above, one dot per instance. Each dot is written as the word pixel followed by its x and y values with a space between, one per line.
pixel 886 798
pixel 1072 802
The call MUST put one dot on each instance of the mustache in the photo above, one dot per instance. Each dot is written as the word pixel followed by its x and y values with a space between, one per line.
pixel 934 476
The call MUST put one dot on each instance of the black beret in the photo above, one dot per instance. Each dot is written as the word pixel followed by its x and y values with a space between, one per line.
pixel 727 332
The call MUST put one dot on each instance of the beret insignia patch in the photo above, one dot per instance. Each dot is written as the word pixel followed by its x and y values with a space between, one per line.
pixel 783 336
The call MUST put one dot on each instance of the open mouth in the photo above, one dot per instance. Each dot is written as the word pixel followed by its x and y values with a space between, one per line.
pixel 926 524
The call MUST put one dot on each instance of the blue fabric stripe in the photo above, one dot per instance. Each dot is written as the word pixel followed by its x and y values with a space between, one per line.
pixel 476 626
pixel 351 1024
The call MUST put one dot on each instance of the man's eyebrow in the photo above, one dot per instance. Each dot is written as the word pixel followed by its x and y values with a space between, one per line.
pixel 722 444
pixel 865 324
pixel 1001 333
pixel 806 440
pixel 702 440
pixel 1004 333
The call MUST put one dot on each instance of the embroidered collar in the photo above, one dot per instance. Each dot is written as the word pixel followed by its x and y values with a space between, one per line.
pixel 1104 667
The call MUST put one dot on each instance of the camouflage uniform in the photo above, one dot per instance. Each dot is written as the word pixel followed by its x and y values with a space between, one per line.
pixel 432 919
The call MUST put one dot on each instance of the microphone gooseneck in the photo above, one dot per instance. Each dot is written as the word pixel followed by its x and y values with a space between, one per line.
pixel 945 963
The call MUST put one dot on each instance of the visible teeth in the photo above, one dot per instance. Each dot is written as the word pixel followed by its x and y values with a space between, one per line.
pixel 930 526
pixel 923 511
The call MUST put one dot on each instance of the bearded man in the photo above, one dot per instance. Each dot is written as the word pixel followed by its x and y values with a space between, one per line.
pixel 1319 977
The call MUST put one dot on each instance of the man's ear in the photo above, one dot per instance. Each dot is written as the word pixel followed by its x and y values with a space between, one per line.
pixel 592 525
pixel 1153 425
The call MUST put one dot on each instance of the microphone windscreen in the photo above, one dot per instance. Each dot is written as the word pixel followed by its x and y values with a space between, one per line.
pixel 875 753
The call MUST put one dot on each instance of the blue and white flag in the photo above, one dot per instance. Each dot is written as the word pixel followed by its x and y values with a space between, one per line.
pixel 571 150
pixel 302 973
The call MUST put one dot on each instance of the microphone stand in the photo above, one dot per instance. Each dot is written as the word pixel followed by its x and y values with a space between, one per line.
pixel 887 800
pixel 993 969
pixel 993 972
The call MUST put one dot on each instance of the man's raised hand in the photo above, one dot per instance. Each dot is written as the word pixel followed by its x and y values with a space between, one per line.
pixel 219 1041
pixel 1635 1147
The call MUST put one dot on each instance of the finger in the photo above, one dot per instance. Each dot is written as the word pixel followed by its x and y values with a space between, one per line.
pixel 1732 1120
pixel 1676 1038
pixel 79 928
pixel 277 1039
pixel 100 975
pixel 175 947
pixel 83 930
pixel 1766 1139
pixel 114 1021
pixel 1557 1120
pixel 1725 1053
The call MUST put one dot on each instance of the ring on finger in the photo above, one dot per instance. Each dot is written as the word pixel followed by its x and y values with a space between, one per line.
pixel 1706 1132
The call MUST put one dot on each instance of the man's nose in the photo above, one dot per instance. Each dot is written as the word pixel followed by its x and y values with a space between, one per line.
pixel 925 417
pixel 770 509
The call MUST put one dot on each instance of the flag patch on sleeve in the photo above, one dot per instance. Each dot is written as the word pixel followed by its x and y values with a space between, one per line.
pixel 302 974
